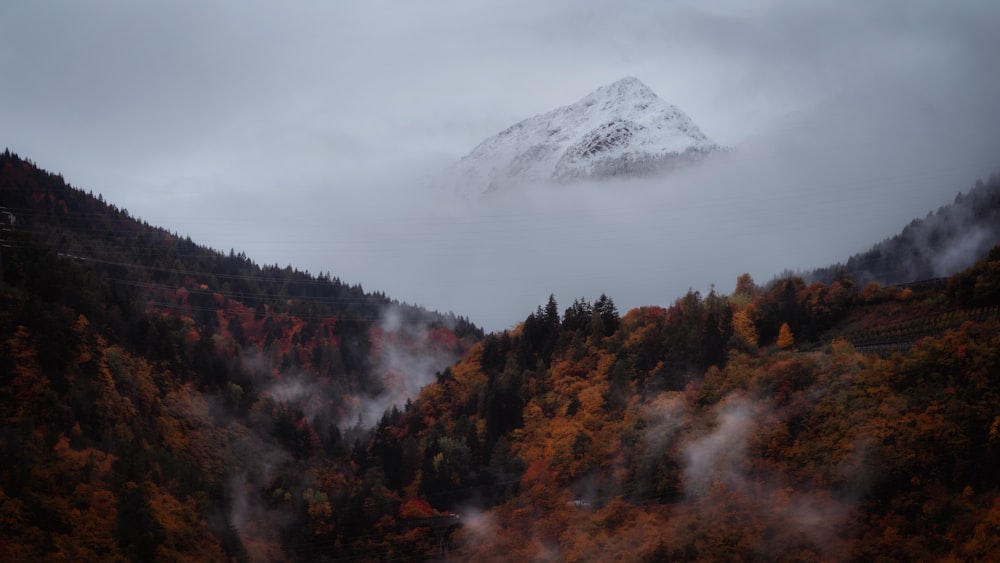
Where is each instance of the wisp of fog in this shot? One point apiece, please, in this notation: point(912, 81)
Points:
point(807, 195)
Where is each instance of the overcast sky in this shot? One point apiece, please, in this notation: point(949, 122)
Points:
point(302, 132)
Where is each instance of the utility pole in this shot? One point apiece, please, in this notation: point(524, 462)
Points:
point(6, 226)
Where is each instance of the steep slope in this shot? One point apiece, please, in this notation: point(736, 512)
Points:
point(941, 244)
point(136, 424)
point(619, 129)
point(697, 432)
point(151, 388)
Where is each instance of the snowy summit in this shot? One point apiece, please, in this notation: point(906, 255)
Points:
point(623, 128)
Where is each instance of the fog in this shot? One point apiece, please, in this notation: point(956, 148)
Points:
point(717, 462)
point(800, 198)
point(310, 135)
point(405, 361)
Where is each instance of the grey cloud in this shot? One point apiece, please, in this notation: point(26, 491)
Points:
point(302, 134)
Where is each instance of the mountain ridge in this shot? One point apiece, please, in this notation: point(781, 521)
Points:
point(941, 244)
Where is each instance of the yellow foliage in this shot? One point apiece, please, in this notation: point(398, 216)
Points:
point(785, 337)
point(744, 327)
point(873, 292)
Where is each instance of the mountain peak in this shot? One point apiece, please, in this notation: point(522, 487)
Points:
point(622, 128)
point(629, 81)
point(627, 85)
point(625, 93)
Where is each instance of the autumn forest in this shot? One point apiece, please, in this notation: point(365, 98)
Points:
point(164, 401)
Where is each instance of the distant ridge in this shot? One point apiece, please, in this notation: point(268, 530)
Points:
point(940, 245)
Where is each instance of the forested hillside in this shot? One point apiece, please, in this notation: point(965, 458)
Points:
point(161, 401)
point(152, 386)
point(946, 241)
point(725, 427)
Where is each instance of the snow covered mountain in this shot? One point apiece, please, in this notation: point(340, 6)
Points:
point(619, 129)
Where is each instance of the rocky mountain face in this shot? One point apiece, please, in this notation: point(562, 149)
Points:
point(623, 128)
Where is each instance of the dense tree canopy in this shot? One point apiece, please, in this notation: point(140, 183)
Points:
point(165, 402)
